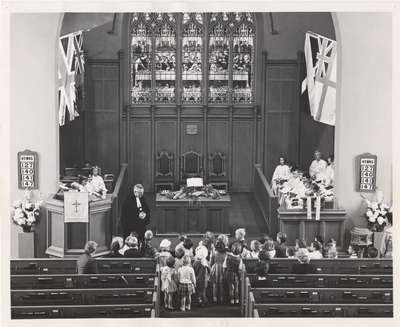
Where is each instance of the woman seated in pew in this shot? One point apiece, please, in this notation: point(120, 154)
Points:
point(86, 264)
point(133, 248)
point(147, 250)
point(304, 266)
point(116, 244)
point(315, 250)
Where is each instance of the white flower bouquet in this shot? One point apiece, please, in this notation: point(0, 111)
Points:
point(377, 214)
point(25, 213)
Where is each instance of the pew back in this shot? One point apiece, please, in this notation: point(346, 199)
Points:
point(321, 280)
point(322, 310)
point(69, 281)
point(68, 266)
point(328, 266)
point(321, 295)
point(83, 311)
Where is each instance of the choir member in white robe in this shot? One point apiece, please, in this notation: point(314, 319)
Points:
point(318, 166)
point(97, 183)
point(328, 176)
point(282, 172)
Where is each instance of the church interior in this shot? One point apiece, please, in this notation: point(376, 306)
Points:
point(198, 125)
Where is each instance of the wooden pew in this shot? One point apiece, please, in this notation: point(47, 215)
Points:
point(68, 266)
point(123, 265)
point(82, 296)
point(42, 266)
point(321, 295)
point(329, 266)
point(83, 311)
point(321, 280)
point(322, 310)
point(82, 281)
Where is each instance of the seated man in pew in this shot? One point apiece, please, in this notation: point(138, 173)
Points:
point(304, 266)
point(86, 264)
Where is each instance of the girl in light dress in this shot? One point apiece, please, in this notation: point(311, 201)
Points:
point(169, 280)
point(164, 253)
point(187, 283)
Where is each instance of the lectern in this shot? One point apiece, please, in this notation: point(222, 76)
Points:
point(68, 239)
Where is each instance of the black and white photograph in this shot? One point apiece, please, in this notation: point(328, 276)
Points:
point(199, 160)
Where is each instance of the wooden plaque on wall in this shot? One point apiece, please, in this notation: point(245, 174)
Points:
point(28, 170)
point(366, 172)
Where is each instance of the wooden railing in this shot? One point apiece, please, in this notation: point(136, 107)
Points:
point(119, 195)
point(266, 200)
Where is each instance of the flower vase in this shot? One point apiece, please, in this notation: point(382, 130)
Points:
point(26, 228)
point(378, 239)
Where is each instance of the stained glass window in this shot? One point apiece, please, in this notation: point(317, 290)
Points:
point(243, 57)
point(165, 58)
point(218, 59)
point(228, 42)
point(192, 59)
point(140, 61)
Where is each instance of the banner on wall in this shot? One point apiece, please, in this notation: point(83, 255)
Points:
point(320, 82)
point(70, 64)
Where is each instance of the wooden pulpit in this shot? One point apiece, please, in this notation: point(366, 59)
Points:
point(65, 239)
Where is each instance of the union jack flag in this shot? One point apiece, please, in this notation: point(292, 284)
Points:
point(70, 64)
point(320, 55)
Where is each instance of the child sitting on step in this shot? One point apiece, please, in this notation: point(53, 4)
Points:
point(187, 283)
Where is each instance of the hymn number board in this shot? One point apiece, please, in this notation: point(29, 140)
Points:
point(27, 170)
point(366, 164)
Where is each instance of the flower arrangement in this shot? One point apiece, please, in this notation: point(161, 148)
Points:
point(25, 213)
point(378, 213)
point(194, 194)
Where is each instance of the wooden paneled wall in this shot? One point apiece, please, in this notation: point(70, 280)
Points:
point(113, 132)
point(101, 114)
point(226, 130)
point(281, 113)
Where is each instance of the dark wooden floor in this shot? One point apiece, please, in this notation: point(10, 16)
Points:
point(210, 311)
point(244, 212)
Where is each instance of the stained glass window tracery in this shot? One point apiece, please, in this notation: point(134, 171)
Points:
point(156, 56)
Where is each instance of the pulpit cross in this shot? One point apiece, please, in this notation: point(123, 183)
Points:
point(76, 204)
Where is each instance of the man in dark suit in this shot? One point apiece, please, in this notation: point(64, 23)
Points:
point(86, 264)
point(135, 214)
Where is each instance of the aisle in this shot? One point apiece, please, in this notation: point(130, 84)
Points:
point(210, 311)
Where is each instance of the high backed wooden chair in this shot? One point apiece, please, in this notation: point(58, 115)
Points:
point(217, 175)
point(164, 174)
point(191, 165)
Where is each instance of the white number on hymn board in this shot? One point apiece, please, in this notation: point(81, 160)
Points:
point(366, 186)
point(27, 184)
point(367, 168)
point(366, 174)
point(26, 164)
